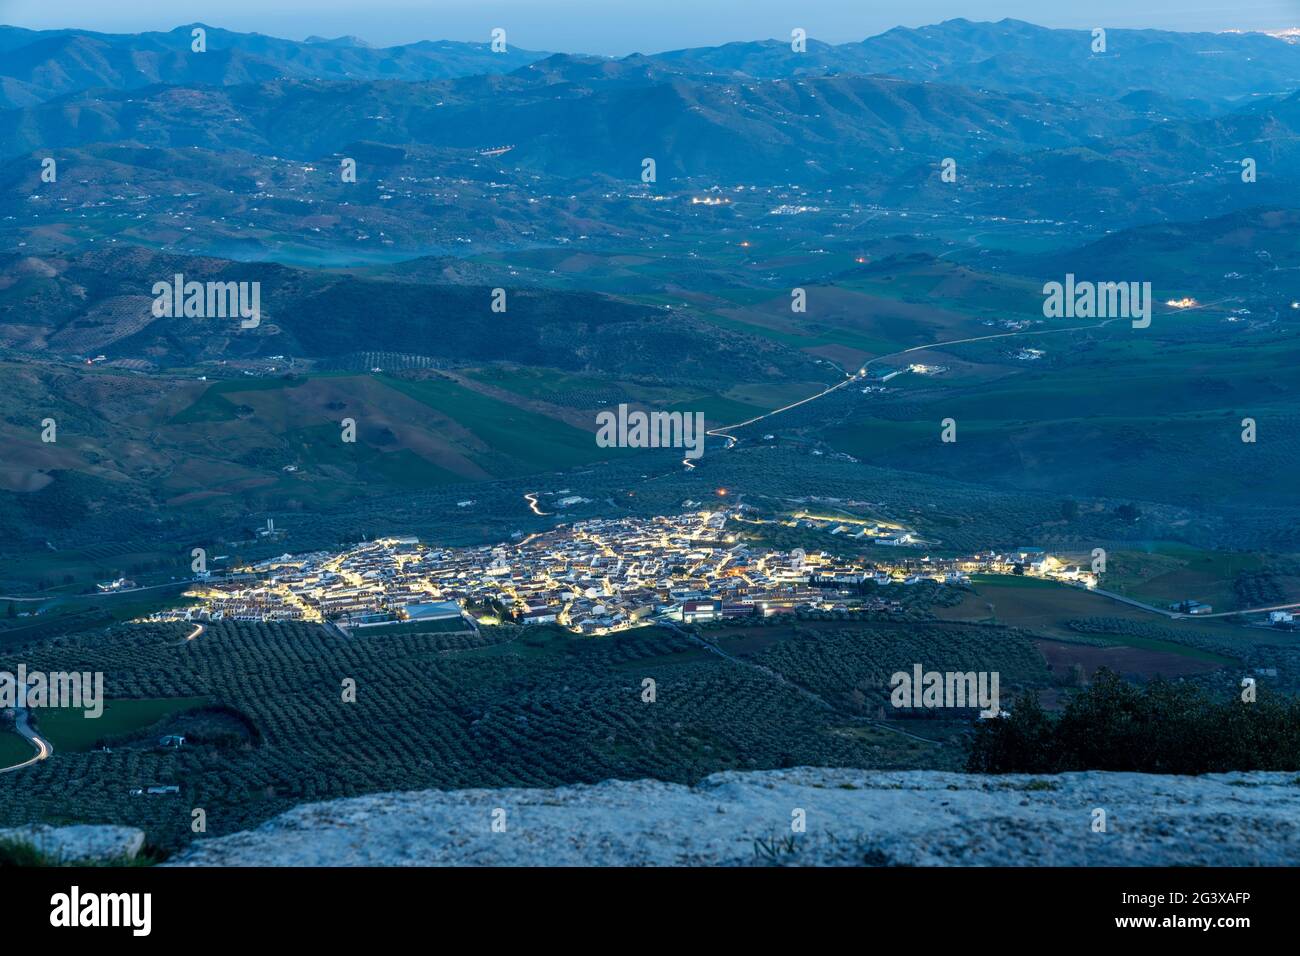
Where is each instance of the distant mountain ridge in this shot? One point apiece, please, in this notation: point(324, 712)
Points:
point(1015, 55)
point(576, 116)
point(1008, 55)
point(1156, 125)
point(41, 65)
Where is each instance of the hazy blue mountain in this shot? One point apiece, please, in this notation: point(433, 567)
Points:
point(1009, 55)
point(577, 116)
point(1177, 170)
point(1258, 246)
point(41, 65)
point(1014, 55)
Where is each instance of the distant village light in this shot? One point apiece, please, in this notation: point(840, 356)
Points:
point(599, 576)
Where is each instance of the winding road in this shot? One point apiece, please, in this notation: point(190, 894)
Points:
point(725, 431)
point(43, 747)
point(194, 634)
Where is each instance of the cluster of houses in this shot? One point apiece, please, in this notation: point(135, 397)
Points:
point(595, 576)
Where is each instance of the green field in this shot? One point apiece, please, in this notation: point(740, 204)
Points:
point(1166, 572)
point(1103, 414)
point(69, 730)
point(1014, 581)
point(214, 405)
point(1045, 608)
point(546, 384)
point(319, 447)
point(14, 749)
point(594, 393)
point(533, 441)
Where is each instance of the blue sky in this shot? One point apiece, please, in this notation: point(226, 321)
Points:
point(624, 26)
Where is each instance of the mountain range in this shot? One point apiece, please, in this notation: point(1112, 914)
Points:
point(39, 65)
point(1009, 55)
point(1155, 126)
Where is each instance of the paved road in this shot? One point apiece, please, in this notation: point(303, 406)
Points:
point(334, 629)
point(1249, 610)
point(725, 431)
point(1183, 616)
point(43, 747)
point(1172, 615)
point(198, 632)
point(58, 595)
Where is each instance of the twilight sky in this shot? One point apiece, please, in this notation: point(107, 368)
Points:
point(623, 26)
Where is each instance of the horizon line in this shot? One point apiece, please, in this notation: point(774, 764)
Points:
point(1278, 33)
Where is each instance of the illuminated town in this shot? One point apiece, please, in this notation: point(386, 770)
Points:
point(600, 576)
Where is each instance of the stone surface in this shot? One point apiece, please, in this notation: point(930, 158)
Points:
point(82, 843)
point(854, 817)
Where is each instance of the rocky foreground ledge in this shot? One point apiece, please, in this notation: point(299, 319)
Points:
point(77, 845)
point(853, 817)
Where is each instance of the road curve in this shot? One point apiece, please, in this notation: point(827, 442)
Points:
point(43, 747)
point(724, 431)
point(199, 630)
